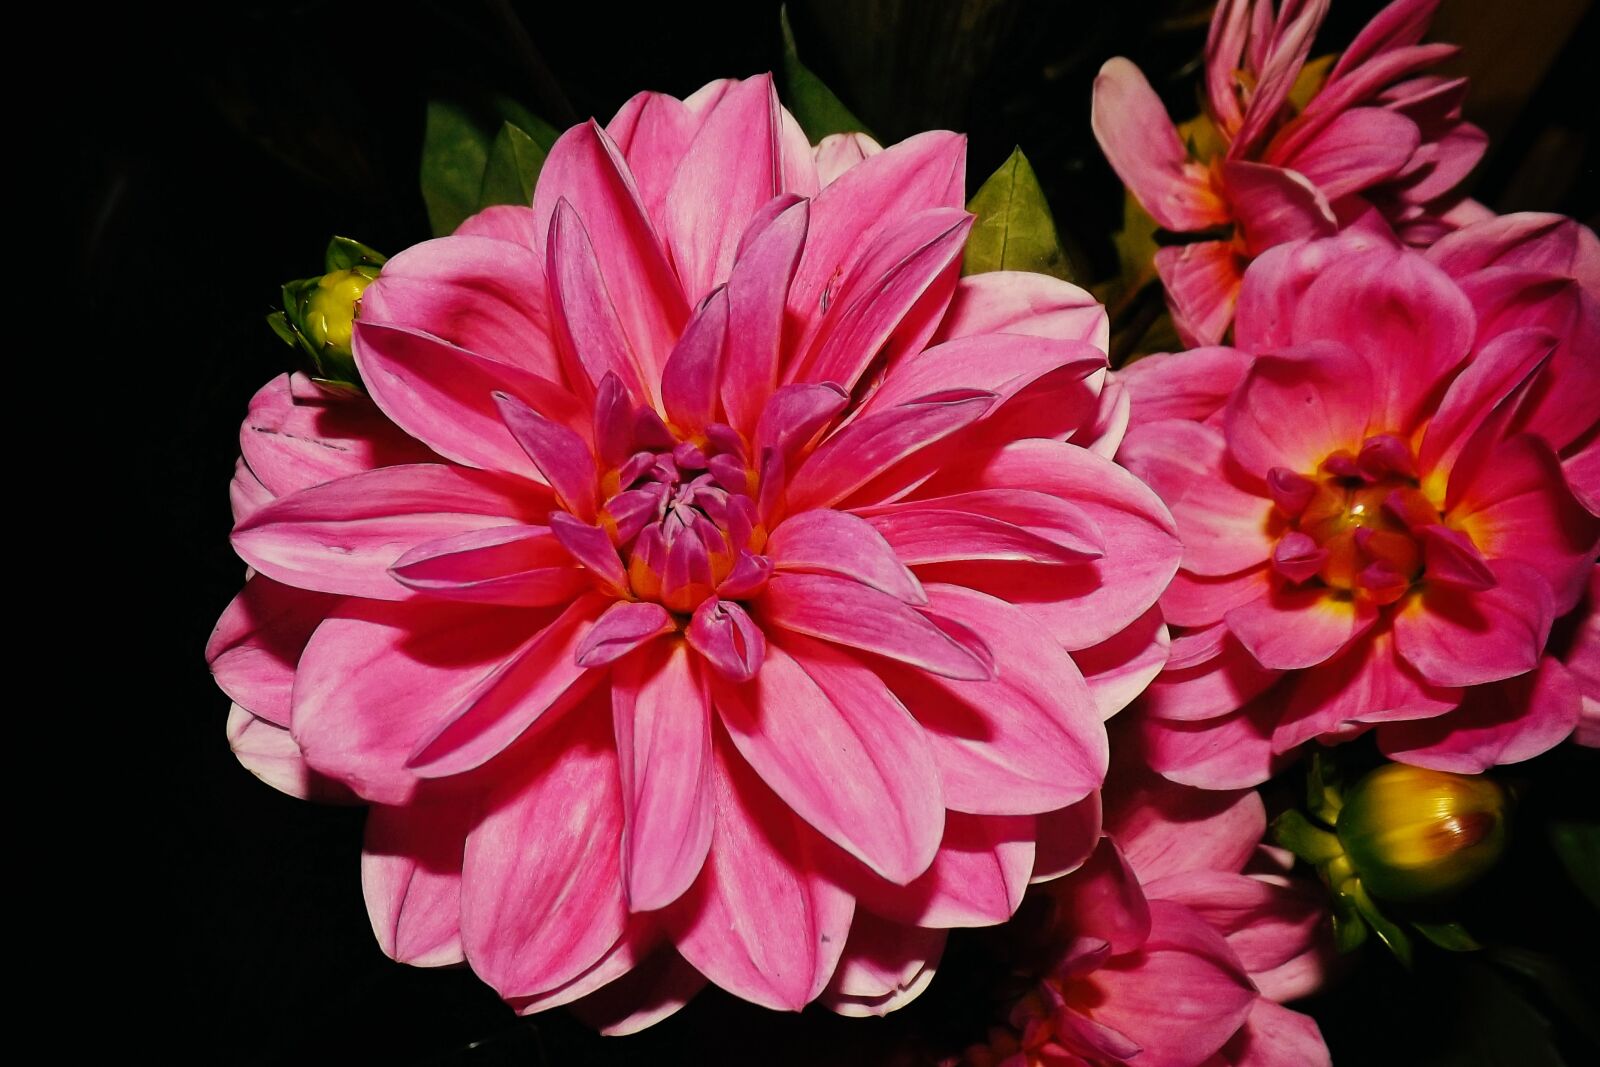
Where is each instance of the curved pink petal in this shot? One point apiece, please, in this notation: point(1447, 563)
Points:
point(1360, 148)
point(652, 131)
point(513, 223)
point(1507, 722)
point(757, 287)
point(621, 628)
point(729, 639)
point(1233, 751)
point(541, 888)
point(1168, 830)
point(411, 878)
point(1298, 406)
point(827, 736)
point(760, 921)
point(1550, 244)
point(267, 751)
point(343, 536)
point(1021, 302)
point(520, 566)
point(842, 544)
point(1209, 674)
point(1293, 628)
point(655, 990)
point(1274, 1036)
point(1202, 281)
point(1495, 373)
point(256, 643)
point(885, 966)
point(1278, 282)
point(1368, 683)
point(1273, 205)
point(1117, 670)
point(662, 716)
point(999, 363)
point(475, 293)
point(1065, 838)
point(1266, 924)
point(1142, 146)
point(1201, 600)
point(838, 152)
point(977, 878)
point(1104, 900)
point(586, 322)
point(689, 384)
point(1458, 636)
point(1192, 385)
point(1030, 740)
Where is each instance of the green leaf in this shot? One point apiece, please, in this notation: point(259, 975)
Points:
point(812, 103)
point(1577, 845)
point(1452, 937)
point(1388, 931)
point(1015, 230)
point(1324, 788)
point(513, 167)
point(454, 153)
point(345, 252)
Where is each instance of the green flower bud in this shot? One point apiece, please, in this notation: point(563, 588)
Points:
point(1411, 833)
point(319, 314)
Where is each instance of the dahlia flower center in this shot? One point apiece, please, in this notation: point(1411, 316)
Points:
point(1357, 524)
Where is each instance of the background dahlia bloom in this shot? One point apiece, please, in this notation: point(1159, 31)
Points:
point(727, 590)
point(1174, 945)
point(1286, 150)
point(1376, 534)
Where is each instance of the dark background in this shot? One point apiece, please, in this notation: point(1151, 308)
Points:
point(225, 148)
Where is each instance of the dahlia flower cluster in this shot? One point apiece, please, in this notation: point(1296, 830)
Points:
point(708, 583)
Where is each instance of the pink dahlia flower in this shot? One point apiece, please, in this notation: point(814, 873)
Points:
point(1174, 945)
point(720, 587)
point(1376, 532)
point(1287, 150)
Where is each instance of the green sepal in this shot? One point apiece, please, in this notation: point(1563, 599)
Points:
point(346, 253)
point(512, 170)
point(1014, 228)
point(1452, 937)
point(1349, 929)
point(1324, 788)
point(280, 326)
point(1389, 932)
point(811, 102)
point(1316, 846)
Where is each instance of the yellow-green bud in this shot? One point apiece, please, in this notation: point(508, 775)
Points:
point(329, 311)
point(1412, 833)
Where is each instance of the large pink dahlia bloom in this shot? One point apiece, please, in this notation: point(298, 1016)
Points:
point(1174, 945)
point(724, 589)
point(1377, 532)
point(1286, 151)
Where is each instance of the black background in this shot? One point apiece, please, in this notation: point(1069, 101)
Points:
point(222, 151)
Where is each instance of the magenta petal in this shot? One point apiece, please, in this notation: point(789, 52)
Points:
point(760, 921)
point(1289, 629)
point(1358, 149)
point(1495, 372)
point(977, 878)
point(1143, 148)
point(841, 544)
point(411, 878)
point(521, 566)
point(1274, 206)
point(257, 642)
point(885, 966)
point(694, 370)
point(1298, 406)
point(623, 627)
point(816, 718)
point(961, 527)
point(1182, 996)
point(1496, 724)
point(1274, 1036)
point(542, 678)
point(561, 455)
point(662, 717)
point(343, 536)
point(588, 329)
point(1367, 683)
point(1065, 838)
point(1266, 924)
point(723, 632)
point(1202, 281)
point(1166, 829)
point(269, 752)
point(1451, 557)
point(641, 943)
point(541, 886)
point(1458, 636)
point(1104, 900)
point(846, 612)
point(792, 416)
point(757, 288)
point(591, 546)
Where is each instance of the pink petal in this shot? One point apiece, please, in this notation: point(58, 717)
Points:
point(1367, 683)
point(1278, 282)
point(841, 544)
point(1495, 373)
point(1507, 722)
point(694, 370)
point(343, 536)
point(757, 288)
point(1202, 281)
point(624, 626)
point(1278, 59)
point(541, 888)
point(246, 494)
point(1029, 740)
point(723, 632)
point(640, 946)
point(1358, 149)
point(1198, 600)
point(268, 751)
point(1272, 1035)
point(885, 966)
point(846, 612)
point(759, 921)
point(1298, 406)
point(520, 566)
point(1065, 838)
point(838, 152)
point(1165, 829)
point(1230, 752)
point(977, 878)
point(258, 640)
point(655, 990)
point(1020, 302)
point(1289, 629)
point(585, 321)
point(1265, 924)
point(1458, 636)
point(541, 678)
point(1274, 206)
point(830, 739)
point(475, 293)
point(652, 131)
point(512, 223)
point(376, 677)
point(443, 395)
point(591, 547)
point(998, 363)
point(563, 458)
point(1208, 675)
point(1119, 669)
point(585, 168)
point(1192, 385)
point(662, 716)
point(411, 879)
point(1103, 900)
point(1142, 146)
point(1549, 244)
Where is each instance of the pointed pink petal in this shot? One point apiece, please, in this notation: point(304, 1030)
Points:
point(1065, 838)
point(1458, 636)
point(1497, 724)
point(1368, 683)
point(513, 223)
point(1495, 373)
point(1165, 829)
point(268, 751)
point(1117, 670)
point(1277, 61)
point(1528, 240)
point(1266, 924)
point(1360, 148)
point(246, 494)
point(841, 544)
point(256, 643)
point(662, 716)
point(521, 566)
point(759, 921)
point(793, 414)
point(411, 879)
point(641, 944)
point(1274, 1036)
point(1103, 900)
point(443, 395)
point(885, 966)
point(723, 632)
point(838, 152)
point(1202, 282)
point(757, 287)
point(1274, 206)
point(1142, 146)
point(1230, 752)
point(585, 168)
point(1191, 385)
point(710, 201)
point(1030, 739)
point(1289, 628)
point(560, 454)
point(541, 892)
point(846, 612)
point(977, 878)
point(694, 370)
point(815, 719)
point(1298, 406)
point(592, 548)
point(652, 131)
point(588, 329)
point(541, 678)
point(998, 363)
point(655, 990)
point(623, 627)
point(475, 293)
point(987, 524)
point(1020, 302)
point(343, 536)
